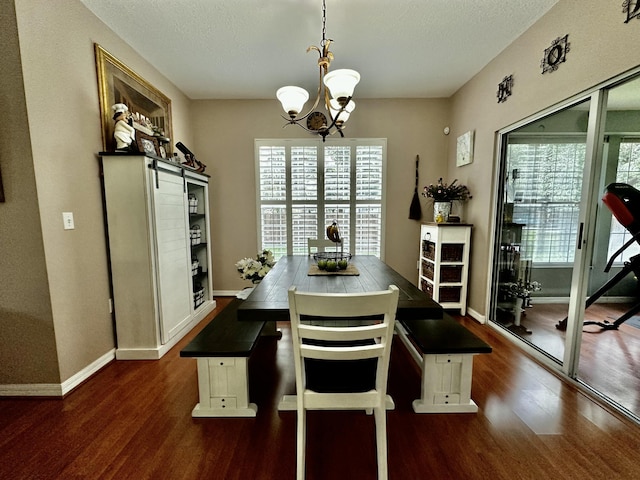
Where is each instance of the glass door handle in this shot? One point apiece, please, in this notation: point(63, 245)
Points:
point(580, 231)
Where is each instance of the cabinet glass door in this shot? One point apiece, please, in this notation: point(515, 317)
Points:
point(198, 197)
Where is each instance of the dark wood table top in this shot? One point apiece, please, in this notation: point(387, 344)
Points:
point(269, 300)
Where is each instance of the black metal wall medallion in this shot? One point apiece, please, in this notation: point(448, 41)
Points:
point(555, 54)
point(504, 88)
point(632, 9)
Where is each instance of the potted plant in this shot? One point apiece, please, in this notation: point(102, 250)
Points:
point(521, 292)
point(443, 195)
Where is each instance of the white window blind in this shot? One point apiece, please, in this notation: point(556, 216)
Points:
point(306, 184)
point(546, 183)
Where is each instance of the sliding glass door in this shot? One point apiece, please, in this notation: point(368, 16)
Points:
point(563, 281)
point(609, 337)
point(541, 181)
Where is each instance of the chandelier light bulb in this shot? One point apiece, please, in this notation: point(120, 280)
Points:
point(341, 117)
point(292, 99)
point(341, 83)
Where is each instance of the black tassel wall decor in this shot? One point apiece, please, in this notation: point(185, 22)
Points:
point(415, 212)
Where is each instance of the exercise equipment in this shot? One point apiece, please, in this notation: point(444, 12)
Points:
point(623, 201)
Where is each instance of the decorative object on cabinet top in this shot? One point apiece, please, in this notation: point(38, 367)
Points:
point(158, 162)
point(147, 144)
point(443, 195)
point(190, 159)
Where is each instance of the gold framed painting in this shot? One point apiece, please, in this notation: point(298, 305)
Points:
point(117, 83)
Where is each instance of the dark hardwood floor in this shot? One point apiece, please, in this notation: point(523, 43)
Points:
point(133, 420)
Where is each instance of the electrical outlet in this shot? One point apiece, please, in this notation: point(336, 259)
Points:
point(67, 220)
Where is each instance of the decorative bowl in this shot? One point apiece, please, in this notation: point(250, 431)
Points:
point(332, 261)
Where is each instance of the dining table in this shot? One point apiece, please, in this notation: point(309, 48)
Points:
point(269, 300)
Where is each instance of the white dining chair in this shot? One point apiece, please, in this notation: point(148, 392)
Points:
point(329, 361)
point(318, 245)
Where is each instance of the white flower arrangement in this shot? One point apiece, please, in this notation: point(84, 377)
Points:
point(255, 269)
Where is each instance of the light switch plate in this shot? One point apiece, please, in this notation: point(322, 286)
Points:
point(67, 219)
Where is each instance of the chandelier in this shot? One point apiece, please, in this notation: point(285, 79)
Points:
point(336, 89)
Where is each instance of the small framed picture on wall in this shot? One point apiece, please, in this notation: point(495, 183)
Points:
point(464, 152)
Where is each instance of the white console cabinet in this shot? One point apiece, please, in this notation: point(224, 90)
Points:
point(444, 263)
point(150, 223)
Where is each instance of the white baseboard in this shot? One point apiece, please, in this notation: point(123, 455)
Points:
point(476, 316)
point(88, 371)
point(155, 353)
point(559, 300)
point(57, 389)
point(32, 390)
point(224, 293)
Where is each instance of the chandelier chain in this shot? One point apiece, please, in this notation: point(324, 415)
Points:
point(324, 23)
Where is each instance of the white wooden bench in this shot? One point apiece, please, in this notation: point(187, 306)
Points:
point(444, 349)
point(222, 350)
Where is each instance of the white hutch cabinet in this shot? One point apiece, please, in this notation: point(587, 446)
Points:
point(444, 263)
point(161, 274)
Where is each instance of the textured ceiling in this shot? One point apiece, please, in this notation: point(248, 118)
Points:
point(249, 48)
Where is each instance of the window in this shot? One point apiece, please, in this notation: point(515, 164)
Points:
point(304, 185)
point(627, 171)
point(544, 185)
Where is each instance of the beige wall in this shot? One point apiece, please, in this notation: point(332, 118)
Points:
point(26, 321)
point(601, 48)
point(60, 296)
point(54, 283)
point(224, 133)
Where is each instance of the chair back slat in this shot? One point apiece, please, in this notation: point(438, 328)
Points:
point(364, 332)
point(342, 353)
point(336, 305)
point(315, 245)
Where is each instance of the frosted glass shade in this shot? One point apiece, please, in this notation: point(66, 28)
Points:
point(341, 83)
point(334, 106)
point(292, 99)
